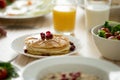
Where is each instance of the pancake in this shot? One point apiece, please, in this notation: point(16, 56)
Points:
point(58, 45)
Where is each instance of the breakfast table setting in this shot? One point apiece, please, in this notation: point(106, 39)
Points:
point(18, 27)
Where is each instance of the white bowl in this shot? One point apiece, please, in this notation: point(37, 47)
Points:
point(39, 68)
point(109, 48)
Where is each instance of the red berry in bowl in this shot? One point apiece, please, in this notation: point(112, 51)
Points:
point(63, 75)
point(70, 74)
point(77, 74)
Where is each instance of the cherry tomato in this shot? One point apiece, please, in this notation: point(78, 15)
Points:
point(3, 3)
point(3, 73)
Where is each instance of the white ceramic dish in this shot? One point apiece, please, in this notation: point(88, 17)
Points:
point(109, 48)
point(22, 9)
point(18, 45)
point(100, 68)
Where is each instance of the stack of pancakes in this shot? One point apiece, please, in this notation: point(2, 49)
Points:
point(58, 45)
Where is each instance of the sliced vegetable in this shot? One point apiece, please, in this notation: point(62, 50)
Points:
point(110, 30)
point(7, 71)
point(101, 33)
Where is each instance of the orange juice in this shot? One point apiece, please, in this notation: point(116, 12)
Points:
point(64, 18)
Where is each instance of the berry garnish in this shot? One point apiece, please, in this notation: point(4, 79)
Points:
point(71, 43)
point(63, 75)
point(77, 74)
point(70, 74)
point(49, 36)
point(25, 51)
point(42, 36)
point(46, 36)
point(72, 48)
point(48, 32)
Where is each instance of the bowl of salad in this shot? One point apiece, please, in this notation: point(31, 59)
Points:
point(107, 39)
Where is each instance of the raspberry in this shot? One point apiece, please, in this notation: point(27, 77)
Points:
point(72, 48)
point(71, 43)
point(63, 75)
point(49, 35)
point(42, 36)
point(46, 36)
point(77, 74)
point(25, 51)
point(48, 32)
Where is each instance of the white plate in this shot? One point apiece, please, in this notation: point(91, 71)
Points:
point(21, 10)
point(100, 68)
point(18, 45)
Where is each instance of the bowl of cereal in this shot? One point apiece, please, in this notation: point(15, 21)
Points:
point(69, 68)
point(107, 39)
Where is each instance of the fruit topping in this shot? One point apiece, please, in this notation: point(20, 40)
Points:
point(42, 36)
point(72, 48)
point(46, 36)
point(25, 50)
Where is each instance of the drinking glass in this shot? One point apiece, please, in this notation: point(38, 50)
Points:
point(96, 12)
point(64, 13)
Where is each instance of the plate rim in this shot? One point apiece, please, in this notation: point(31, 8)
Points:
point(37, 56)
point(47, 11)
point(84, 59)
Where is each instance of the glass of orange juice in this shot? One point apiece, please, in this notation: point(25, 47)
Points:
point(64, 13)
